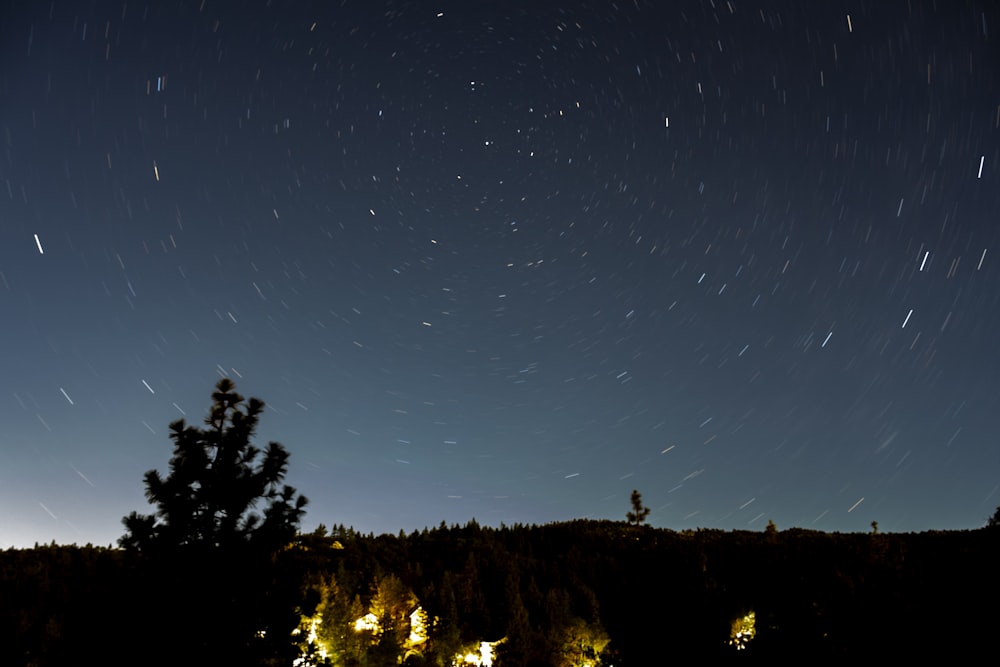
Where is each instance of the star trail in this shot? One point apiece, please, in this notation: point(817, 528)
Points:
point(506, 260)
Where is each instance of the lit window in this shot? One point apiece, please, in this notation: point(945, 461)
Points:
point(367, 623)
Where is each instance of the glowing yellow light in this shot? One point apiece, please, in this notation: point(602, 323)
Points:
point(482, 659)
point(486, 651)
point(418, 627)
point(742, 631)
point(367, 623)
point(313, 640)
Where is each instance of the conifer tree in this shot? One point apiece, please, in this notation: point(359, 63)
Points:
point(217, 481)
point(214, 548)
point(639, 513)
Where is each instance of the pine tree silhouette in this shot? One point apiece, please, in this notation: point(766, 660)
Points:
point(639, 513)
point(217, 480)
point(212, 556)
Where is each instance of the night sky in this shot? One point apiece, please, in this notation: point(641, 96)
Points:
point(506, 260)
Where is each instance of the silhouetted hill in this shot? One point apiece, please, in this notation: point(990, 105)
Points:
point(561, 594)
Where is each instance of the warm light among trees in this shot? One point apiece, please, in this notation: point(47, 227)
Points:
point(394, 624)
point(481, 658)
point(743, 631)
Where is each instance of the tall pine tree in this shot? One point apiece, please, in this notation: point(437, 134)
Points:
point(219, 585)
point(639, 512)
point(217, 480)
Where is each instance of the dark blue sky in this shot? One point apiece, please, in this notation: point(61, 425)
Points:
point(506, 260)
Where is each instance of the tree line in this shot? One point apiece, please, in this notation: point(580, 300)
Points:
point(220, 573)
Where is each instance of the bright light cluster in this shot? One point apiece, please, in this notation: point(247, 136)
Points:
point(482, 659)
point(367, 623)
point(743, 630)
point(418, 626)
point(312, 640)
point(391, 602)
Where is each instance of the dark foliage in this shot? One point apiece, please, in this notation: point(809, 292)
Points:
point(212, 555)
point(217, 479)
point(548, 589)
point(219, 576)
point(639, 512)
point(654, 592)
